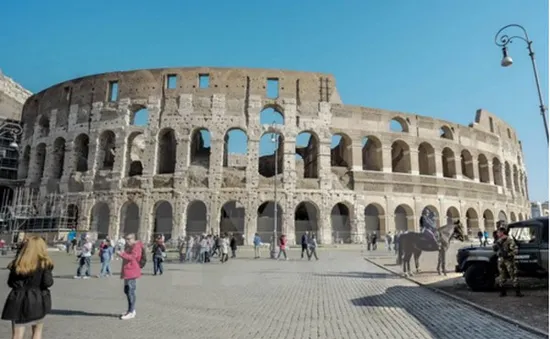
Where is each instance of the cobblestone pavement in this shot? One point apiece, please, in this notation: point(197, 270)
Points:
point(340, 296)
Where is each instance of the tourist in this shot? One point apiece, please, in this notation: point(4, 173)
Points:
point(257, 243)
point(224, 248)
point(282, 247)
point(389, 239)
point(203, 249)
point(159, 253)
point(106, 252)
point(312, 246)
point(120, 245)
point(84, 258)
point(131, 271)
point(233, 246)
point(30, 278)
point(305, 242)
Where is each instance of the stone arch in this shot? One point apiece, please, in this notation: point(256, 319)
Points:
point(513, 217)
point(340, 217)
point(25, 162)
point(197, 218)
point(432, 209)
point(483, 169)
point(467, 164)
point(232, 220)
point(520, 216)
point(508, 175)
point(43, 126)
point(81, 152)
point(375, 219)
point(40, 160)
point(100, 218)
point(453, 215)
point(164, 219)
point(445, 132)
point(426, 159)
point(401, 157)
point(266, 220)
point(167, 151)
point(107, 144)
point(399, 125)
point(235, 149)
point(272, 114)
point(58, 158)
point(306, 216)
point(135, 153)
point(130, 220)
point(72, 216)
point(307, 151)
point(341, 152)
point(472, 222)
point(372, 154)
point(497, 172)
point(272, 153)
point(200, 148)
point(403, 218)
point(522, 183)
point(502, 216)
point(516, 178)
point(139, 116)
point(448, 163)
point(488, 220)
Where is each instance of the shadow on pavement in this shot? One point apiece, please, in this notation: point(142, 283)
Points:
point(364, 275)
point(83, 314)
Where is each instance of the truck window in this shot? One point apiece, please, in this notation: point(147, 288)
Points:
point(545, 232)
point(524, 234)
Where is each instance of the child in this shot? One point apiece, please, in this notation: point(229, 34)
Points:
point(30, 279)
point(106, 255)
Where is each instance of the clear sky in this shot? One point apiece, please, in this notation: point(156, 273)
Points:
point(428, 57)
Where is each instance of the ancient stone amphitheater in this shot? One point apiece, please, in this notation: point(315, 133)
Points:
point(178, 151)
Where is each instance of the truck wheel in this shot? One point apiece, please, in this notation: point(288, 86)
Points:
point(479, 277)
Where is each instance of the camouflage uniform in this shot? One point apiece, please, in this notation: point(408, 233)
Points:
point(506, 251)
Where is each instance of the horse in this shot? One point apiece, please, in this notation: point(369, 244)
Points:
point(413, 243)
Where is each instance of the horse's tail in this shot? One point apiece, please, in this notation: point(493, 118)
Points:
point(399, 249)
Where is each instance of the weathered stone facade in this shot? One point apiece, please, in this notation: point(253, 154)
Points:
point(12, 98)
point(85, 144)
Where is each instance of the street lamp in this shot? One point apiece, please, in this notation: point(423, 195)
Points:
point(275, 141)
point(502, 40)
point(12, 128)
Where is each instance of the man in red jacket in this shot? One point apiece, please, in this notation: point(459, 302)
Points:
point(131, 271)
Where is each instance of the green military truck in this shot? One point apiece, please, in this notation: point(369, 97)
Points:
point(479, 264)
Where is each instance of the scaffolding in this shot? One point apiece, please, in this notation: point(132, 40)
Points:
point(27, 211)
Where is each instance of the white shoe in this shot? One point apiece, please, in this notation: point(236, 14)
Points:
point(86, 277)
point(128, 316)
point(77, 277)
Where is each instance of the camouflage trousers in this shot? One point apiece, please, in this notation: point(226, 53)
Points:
point(507, 269)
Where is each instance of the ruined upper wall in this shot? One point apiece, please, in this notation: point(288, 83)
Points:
point(142, 84)
point(12, 98)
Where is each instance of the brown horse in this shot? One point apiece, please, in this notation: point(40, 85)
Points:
point(413, 243)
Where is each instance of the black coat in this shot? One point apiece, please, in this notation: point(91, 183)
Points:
point(30, 298)
point(233, 244)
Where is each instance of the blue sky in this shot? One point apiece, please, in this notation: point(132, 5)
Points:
point(428, 57)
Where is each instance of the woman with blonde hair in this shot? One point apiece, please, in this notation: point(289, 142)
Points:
point(30, 279)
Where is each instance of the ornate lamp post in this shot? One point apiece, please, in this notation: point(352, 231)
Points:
point(275, 141)
point(11, 128)
point(502, 40)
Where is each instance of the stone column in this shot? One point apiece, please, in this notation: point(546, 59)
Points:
point(387, 159)
point(252, 175)
point(490, 171)
point(458, 167)
point(325, 171)
point(438, 164)
point(413, 154)
point(475, 169)
point(357, 157)
point(215, 172)
point(146, 223)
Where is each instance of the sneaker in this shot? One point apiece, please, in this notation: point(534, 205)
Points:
point(77, 277)
point(128, 316)
point(86, 277)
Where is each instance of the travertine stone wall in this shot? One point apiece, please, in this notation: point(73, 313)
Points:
point(12, 98)
point(467, 173)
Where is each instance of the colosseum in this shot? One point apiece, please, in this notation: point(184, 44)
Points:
point(189, 150)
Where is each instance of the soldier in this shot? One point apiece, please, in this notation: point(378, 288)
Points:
point(506, 250)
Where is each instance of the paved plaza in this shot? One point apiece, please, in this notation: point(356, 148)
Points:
point(340, 296)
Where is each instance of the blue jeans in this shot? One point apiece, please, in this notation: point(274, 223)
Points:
point(84, 262)
point(105, 268)
point(130, 291)
point(157, 265)
point(189, 254)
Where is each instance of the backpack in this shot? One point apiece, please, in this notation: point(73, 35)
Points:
point(143, 259)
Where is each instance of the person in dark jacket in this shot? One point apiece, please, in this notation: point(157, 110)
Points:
point(30, 279)
point(233, 246)
point(159, 253)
